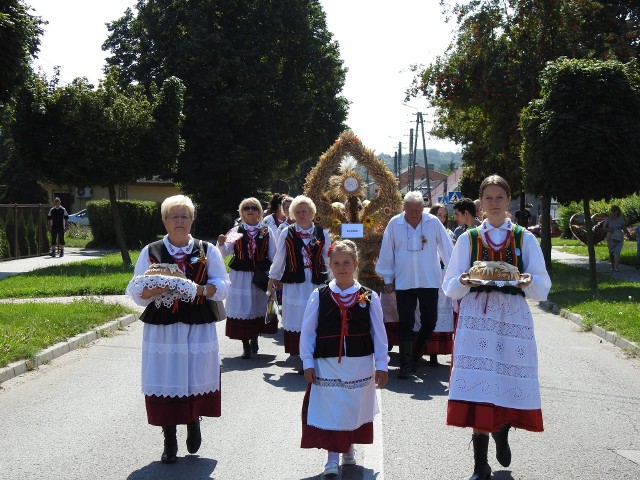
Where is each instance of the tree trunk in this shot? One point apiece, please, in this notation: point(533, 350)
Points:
point(593, 279)
point(545, 231)
point(117, 226)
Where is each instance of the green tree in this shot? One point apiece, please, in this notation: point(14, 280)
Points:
point(105, 136)
point(490, 73)
point(262, 82)
point(19, 42)
point(582, 137)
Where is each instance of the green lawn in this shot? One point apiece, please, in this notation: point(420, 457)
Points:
point(628, 255)
point(614, 307)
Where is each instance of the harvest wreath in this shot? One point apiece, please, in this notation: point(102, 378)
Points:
point(338, 191)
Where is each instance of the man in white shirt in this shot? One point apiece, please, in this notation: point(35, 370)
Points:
point(413, 245)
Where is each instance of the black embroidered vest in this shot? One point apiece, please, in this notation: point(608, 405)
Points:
point(241, 260)
point(197, 312)
point(294, 265)
point(358, 342)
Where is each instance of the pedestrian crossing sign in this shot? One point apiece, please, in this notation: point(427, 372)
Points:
point(454, 196)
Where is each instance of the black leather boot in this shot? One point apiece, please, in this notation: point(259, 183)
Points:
point(405, 360)
point(194, 437)
point(246, 349)
point(503, 451)
point(254, 345)
point(170, 445)
point(481, 468)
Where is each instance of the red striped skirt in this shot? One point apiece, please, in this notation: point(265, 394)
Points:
point(167, 411)
point(331, 440)
point(246, 329)
point(292, 342)
point(440, 343)
point(489, 417)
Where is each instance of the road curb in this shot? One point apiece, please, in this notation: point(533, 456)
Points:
point(18, 368)
point(610, 337)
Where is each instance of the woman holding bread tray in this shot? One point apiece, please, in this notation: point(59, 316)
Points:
point(173, 278)
point(494, 378)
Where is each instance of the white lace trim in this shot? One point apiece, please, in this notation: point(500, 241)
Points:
point(500, 328)
point(160, 391)
point(179, 288)
point(178, 349)
point(468, 362)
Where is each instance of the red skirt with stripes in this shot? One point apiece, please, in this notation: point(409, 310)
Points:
point(168, 411)
point(246, 329)
point(331, 440)
point(489, 417)
point(292, 342)
point(440, 343)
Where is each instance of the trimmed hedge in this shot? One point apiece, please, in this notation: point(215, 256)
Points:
point(141, 222)
point(630, 207)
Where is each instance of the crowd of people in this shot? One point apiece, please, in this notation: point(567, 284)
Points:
point(336, 326)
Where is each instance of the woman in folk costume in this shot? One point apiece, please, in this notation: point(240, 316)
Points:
point(276, 216)
point(299, 266)
point(288, 220)
point(180, 353)
point(343, 346)
point(253, 247)
point(494, 380)
point(441, 341)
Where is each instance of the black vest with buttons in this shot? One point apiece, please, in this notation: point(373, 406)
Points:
point(294, 264)
point(197, 312)
point(358, 342)
point(242, 262)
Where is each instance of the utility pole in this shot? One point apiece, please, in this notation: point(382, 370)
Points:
point(410, 182)
point(420, 120)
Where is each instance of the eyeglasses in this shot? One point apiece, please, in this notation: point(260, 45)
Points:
point(175, 218)
point(247, 208)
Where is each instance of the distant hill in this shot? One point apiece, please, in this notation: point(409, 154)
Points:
point(443, 161)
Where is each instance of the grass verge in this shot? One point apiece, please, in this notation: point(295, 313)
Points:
point(628, 256)
point(614, 307)
point(27, 328)
point(99, 276)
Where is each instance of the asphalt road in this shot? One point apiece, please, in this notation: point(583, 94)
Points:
point(82, 417)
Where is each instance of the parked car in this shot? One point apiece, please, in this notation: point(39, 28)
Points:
point(556, 231)
point(79, 218)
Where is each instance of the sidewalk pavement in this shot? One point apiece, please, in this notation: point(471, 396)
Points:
point(627, 272)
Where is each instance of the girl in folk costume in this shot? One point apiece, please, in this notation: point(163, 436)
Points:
point(180, 353)
point(343, 346)
point(494, 380)
point(299, 265)
point(253, 247)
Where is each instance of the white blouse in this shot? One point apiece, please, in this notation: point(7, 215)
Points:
point(310, 324)
point(280, 257)
point(532, 263)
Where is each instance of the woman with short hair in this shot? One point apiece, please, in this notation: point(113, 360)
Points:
point(299, 266)
point(180, 352)
point(252, 245)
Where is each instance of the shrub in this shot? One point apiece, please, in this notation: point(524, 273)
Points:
point(141, 222)
point(4, 243)
point(630, 207)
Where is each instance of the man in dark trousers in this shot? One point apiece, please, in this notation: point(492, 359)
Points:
point(57, 218)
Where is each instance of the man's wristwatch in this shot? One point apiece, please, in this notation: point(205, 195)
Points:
point(204, 290)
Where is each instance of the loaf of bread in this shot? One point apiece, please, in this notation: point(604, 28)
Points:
point(166, 269)
point(493, 271)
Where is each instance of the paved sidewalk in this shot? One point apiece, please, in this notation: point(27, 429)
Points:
point(626, 272)
point(71, 255)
